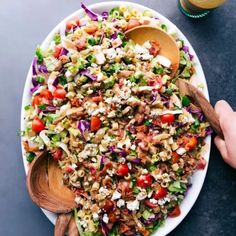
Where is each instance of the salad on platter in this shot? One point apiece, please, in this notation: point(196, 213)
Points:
point(108, 111)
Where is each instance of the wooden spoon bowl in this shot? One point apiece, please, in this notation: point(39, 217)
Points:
point(45, 185)
point(168, 46)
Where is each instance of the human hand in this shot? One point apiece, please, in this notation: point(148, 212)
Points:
point(227, 118)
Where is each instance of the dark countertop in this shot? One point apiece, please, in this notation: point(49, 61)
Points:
point(25, 23)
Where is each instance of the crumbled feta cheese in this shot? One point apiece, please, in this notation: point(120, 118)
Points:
point(105, 218)
point(154, 201)
point(117, 42)
point(104, 191)
point(142, 195)
point(181, 151)
point(133, 147)
point(133, 205)
point(144, 171)
point(120, 203)
point(129, 165)
point(95, 216)
point(78, 199)
point(116, 195)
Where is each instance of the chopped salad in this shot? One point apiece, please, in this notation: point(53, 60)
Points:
point(107, 110)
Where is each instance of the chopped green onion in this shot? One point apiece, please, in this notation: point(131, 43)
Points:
point(39, 55)
point(62, 80)
point(185, 101)
point(30, 156)
point(164, 27)
point(147, 122)
point(158, 70)
point(42, 106)
point(40, 79)
point(91, 41)
point(57, 39)
point(27, 107)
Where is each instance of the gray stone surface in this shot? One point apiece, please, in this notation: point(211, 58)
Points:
point(25, 23)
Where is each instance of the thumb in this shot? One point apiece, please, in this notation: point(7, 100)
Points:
point(220, 144)
point(223, 108)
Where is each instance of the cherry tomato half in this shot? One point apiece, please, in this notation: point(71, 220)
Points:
point(150, 204)
point(144, 181)
point(133, 23)
point(122, 170)
point(167, 118)
point(162, 192)
point(72, 23)
point(95, 123)
point(108, 205)
point(91, 29)
point(59, 93)
point(57, 52)
point(176, 212)
point(57, 154)
point(37, 125)
point(46, 94)
point(97, 99)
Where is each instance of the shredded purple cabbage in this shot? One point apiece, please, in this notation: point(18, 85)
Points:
point(114, 35)
point(43, 69)
point(34, 81)
point(34, 66)
point(87, 73)
point(123, 153)
point(83, 125)
point(209, 131)
point(94, 16)
point(50, 109)
point(55, 82)
point(105, 15)
point(35, 88)
point(111, 149)
point(64, 51)
point(196, 111)
point(103, 160)
point(104, 229)
point(186, 50)
point(137, 161)
point(151, 219)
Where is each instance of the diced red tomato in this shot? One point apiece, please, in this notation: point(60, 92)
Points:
point(167, 118)
point(57, 154)
point(68, 169)
point(155, 48)
point(46, 94)
point(144, 181)
point(71, 24)
point(176, 212)
point(122, 170)
point(36, 100)
point(191, 144)
point(57, 52)
point(97, 99)
point(112, 217)
point(37, 125)
point(95, 123)
point(109, 205)
point(91, 29)
point(150, 204)
point(162, 192)
point(175, 157)
point(201, 164)
point(133, 23)
point(59, 93)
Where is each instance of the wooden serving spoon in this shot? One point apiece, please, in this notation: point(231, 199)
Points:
point(168, 46)
point(188, 89)
point(45, 185)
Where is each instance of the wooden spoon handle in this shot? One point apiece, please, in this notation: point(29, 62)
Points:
point(62, 223)
point(188, 89)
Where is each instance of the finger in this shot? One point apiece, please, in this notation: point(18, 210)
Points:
point(220, 144)
point(222, 107)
